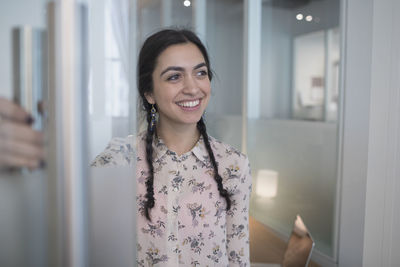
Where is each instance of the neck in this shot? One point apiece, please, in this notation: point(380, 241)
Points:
point(179, 139)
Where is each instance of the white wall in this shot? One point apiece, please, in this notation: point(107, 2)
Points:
point(15, 13)
point(370, 188)
point(382, 214)
point(355, 134)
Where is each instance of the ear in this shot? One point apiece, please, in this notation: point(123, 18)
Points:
point(149, 97)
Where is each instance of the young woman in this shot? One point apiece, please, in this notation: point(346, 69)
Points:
point(193, 191)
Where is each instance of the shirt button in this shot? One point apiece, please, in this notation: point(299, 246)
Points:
point(175, 189)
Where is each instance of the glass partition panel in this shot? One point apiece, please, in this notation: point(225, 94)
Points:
point(112, 132)
point(153, 15)
point(181, 14)
point(293, 144)
point(149, 18)
point(23, 191)
point(219, 29)
point(224, 40)
point(66, 93)
point(156, 14)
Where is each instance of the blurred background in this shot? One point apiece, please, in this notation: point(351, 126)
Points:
point(294, 89)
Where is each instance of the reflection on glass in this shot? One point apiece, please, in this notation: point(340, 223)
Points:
point(295, 135)
point(109, 95)
point(112, 99)
point(266, 182)
point(116, 58)
point(309, 75)
point(224, 40)
point(315, 71)
point(23, 195)
point(299, 247)
point(156, 14)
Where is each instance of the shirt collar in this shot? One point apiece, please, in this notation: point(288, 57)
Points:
point(199, 149)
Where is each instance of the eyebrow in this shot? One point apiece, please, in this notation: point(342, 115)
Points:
point(175, 68)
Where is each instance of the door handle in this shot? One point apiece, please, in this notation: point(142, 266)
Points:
point(29, 69)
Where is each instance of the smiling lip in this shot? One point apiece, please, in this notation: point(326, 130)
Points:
point(189, 105)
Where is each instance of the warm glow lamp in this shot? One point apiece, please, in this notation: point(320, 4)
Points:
point(267, 183)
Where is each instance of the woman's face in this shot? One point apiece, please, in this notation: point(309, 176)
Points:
point(181, 87)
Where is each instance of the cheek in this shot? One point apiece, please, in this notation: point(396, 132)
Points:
point(207, 92)
point(206, 86)
point(164, 95)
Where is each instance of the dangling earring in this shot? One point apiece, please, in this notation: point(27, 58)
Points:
point(153, 117)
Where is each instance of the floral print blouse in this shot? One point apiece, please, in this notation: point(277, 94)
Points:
point(189, 223)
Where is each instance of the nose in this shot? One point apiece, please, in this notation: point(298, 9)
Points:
point(191, 86)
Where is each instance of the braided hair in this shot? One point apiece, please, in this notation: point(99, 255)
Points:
point(150, 51)
point(201, 126)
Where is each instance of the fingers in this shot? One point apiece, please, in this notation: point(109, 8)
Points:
point(20, 145)
point(23, 150)
point(11, 111)
point(10, 161)
point(20, 132)
point(20, 154)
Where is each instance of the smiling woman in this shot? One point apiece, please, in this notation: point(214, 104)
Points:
point(192, 190)
point(181, 87)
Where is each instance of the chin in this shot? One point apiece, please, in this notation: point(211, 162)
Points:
point(194, 121)
point(190, 121)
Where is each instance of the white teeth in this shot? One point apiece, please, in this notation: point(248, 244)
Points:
point(189, 104)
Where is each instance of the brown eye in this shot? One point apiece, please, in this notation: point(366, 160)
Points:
point(202, 73)
point(173, 77)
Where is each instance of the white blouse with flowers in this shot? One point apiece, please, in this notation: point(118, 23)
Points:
point(189, 222)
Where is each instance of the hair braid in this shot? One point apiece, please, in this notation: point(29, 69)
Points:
point(223, 192)
point(149, 158)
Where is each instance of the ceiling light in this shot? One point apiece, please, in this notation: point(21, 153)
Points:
point(299, 16)
point(186, 3)
point(309, 18)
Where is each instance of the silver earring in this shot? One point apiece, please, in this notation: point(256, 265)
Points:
point(153, 112)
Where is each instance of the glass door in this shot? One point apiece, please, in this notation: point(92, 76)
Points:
point(293, 137)
point(23, 191)
point(66, 95)
point(111, 130)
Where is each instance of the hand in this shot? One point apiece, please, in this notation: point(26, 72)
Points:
point(20, 145)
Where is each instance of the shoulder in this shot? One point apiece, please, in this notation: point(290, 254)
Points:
point(222, 150)
point(119, 152)
point(233, 166)
point(228, 156)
